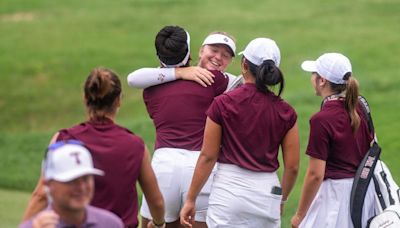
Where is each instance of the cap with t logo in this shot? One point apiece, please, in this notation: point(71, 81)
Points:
point(66, 161)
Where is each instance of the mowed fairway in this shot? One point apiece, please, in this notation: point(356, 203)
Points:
point(47, 48)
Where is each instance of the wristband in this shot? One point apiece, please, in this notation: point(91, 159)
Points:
point(162, 225)
point(283, 202)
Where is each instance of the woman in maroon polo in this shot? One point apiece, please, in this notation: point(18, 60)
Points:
point(118, 152)
point(339, 139)
point(244, 130)
point(178, 112)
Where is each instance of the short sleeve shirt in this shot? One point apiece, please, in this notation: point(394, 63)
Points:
point(95, 218)
point(253, 127)
point(332, 140)
point(119, 153)
point(178, 111)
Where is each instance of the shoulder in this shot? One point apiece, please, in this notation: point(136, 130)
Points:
point(285, 110)
point(227, 97)
point(284, 105)
point(123, 129)
point(104, 217)
point(76, 128)
point(129, 134)
point(66, 133)
point(320, 118)
point(220, 77)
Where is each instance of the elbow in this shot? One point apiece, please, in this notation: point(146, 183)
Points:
point(131, 80)
point(206, 158)
point(293, 170)
point(315, 177)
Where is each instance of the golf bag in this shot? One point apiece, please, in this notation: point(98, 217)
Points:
point(386, 190)
point(389, 218)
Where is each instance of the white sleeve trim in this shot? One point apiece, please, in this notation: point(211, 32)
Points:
point(234, 81)
point(146, 77)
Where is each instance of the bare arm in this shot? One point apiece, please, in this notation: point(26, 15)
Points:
point(149, 185)
point(38, 200)
point(291, 157)
point(312, 182)
point(205, 163)
point(146, 77)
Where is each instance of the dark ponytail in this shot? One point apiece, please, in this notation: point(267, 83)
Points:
point(267, 75)
point(171, 45)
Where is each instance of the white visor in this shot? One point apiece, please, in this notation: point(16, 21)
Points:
point(220, 39)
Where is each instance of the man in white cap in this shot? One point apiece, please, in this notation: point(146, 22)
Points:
point(68, 171)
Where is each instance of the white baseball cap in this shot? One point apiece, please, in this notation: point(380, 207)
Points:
point(218, 38)
point(331, 66)
point(261, 49)
point(68, 160)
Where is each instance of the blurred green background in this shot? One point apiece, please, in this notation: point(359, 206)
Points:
point(47, 48)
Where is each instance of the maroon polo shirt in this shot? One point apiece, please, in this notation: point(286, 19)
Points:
point(253, 127)
point(119, 153)
point(178, 111)
point(331, 139)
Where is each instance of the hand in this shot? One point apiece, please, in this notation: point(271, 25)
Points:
point(195, 73)
point(187, 214)
point(296, 220)
point(282, 207)
point(45, 219)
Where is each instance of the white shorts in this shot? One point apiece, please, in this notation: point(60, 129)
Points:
point(174, 170)
point(331, 206)
point(243, 198)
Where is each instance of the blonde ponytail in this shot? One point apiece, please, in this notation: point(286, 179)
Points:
point(351, 103)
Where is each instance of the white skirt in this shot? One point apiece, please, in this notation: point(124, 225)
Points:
point(242, 198)
point(331, 206)
point(174, 170)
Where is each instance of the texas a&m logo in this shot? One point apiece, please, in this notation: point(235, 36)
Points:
point(76, 156)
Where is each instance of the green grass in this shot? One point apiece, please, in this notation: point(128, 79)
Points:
point(12, 204)
point(48, 47)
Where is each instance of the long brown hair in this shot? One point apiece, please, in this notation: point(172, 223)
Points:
point(102, 90)
point(351, 99)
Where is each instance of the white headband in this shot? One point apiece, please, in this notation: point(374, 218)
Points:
point(220, 39)
point(185, 60)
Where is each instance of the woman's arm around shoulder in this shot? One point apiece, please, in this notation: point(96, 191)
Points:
point(146, 77)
